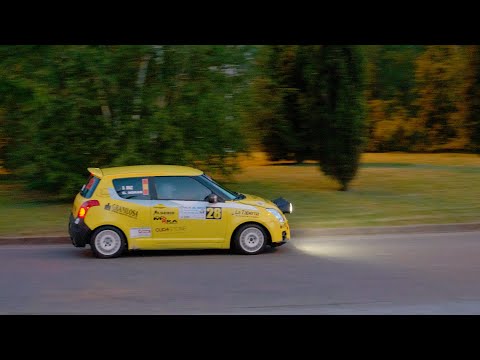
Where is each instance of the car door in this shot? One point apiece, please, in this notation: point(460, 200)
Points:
point(182, 215)
point(129, 209)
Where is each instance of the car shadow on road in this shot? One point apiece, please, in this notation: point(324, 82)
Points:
point(172, 253)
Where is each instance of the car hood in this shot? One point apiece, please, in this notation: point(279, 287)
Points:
point(257, 201)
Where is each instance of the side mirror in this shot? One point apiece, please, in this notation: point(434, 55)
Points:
point(285, 206)
point(212, 198)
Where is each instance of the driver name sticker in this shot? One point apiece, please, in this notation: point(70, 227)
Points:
point(140, 232)
point(191, 212)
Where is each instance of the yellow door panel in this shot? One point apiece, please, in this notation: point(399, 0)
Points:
point(188, 222)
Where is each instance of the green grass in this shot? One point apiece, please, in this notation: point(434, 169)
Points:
point(30, 213)
point(389, 189)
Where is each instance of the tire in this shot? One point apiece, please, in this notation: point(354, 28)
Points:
point(250, 239)
point(108, 242)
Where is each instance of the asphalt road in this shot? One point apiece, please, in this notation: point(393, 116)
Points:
point(428, 273)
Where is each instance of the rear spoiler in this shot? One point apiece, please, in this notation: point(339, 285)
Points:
point(96, 172)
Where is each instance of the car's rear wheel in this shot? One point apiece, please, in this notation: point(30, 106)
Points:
point(107, 242)
point(250, 239)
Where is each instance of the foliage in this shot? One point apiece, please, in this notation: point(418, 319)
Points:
point(340, 124)
point(66, 108)
point(473, 100)
point(276, 93)
point(440, 77)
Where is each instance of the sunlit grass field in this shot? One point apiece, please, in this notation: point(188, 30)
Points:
point(389, 189)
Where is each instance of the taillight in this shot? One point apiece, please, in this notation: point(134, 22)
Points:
point(82, 212)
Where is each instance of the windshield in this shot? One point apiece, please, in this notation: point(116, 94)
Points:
point(219, 189)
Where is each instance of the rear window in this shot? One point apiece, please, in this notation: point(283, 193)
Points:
point(88, 189)
point(132, 188)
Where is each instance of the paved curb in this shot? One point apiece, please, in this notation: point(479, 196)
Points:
point(428, 228)
point(34, 240)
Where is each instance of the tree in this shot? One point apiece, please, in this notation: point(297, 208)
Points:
point(340, 111)
point(66, 108)
point(279, 94)
point(194, 105)
point(441, 79)
point(55, 124)
point(473, 96)
point(391, 95)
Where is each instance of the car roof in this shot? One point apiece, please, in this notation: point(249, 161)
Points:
point(146, 170)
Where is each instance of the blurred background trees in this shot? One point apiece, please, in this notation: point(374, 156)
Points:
point(473, 99)
point(65, 108)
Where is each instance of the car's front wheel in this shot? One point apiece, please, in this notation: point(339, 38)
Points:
point(107, 242)
point(250, 239)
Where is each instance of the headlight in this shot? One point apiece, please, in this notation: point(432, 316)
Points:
point(277, 215)
point(291, 208)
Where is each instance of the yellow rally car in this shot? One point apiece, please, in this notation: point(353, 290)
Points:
point(156, 207)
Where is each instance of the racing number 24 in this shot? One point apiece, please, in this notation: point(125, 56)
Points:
point(214, 213)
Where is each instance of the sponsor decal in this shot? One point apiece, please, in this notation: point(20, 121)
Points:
point(192, 212)
point(170, 229)
point(164, 220)
point(140, 232)
point(213, 213)
point(90, 183)
point(163, 212)
point(122, 210)
point(241, 212)
point(145, 186)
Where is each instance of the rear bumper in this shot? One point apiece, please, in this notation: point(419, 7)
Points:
point(79, 232)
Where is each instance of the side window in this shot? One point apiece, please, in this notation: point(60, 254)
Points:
point(135, 188)
point(180, 188)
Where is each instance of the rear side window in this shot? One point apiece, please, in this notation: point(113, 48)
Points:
point(88, 189)
point(135, 188)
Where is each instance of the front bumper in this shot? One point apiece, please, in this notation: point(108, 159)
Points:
point(79, 232)
point(285, 239)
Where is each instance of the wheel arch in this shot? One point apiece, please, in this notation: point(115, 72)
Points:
point(105, 226)
point(234, 232)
